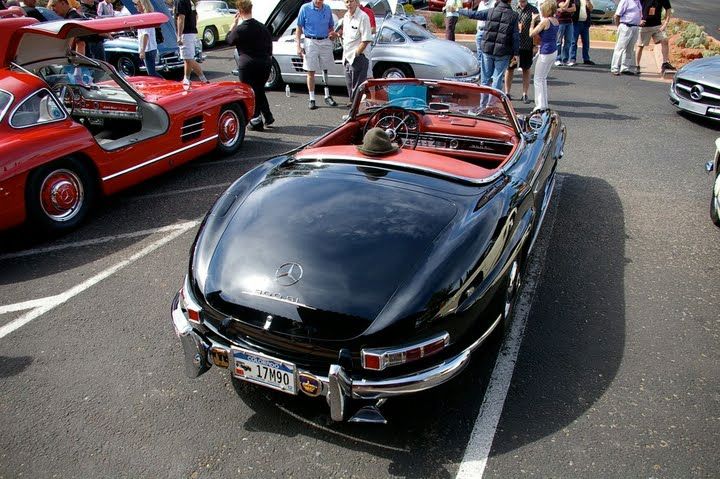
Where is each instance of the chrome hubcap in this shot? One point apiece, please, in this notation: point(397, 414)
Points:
point(61, 195)
point(394, 73)
point(229, 128)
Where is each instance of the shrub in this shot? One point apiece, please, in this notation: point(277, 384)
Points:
point(438, 19)
point(409, 9)
point(693, 36)
point(466, 25)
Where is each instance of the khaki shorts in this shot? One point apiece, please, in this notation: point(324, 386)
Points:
point(187, 49)
point(318, 55)
point(646, 33)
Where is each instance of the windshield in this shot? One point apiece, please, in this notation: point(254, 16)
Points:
point(206, 6)
point(416, 32)
point(452, 99)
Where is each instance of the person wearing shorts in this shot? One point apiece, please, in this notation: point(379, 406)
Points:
point(186, 22)
point(652, 27)
point(526, 52)
point(315, 21)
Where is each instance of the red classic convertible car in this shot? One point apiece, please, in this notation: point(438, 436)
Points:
point(71, 128)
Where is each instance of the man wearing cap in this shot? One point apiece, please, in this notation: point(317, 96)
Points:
point(356, 36)
point(315, 20)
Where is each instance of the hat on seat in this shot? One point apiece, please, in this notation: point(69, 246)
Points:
point(376, 143)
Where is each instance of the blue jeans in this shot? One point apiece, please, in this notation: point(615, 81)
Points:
point(493, 70)
point(564, 39)
point(478, 52)
point(150, 62)
point(582, 30)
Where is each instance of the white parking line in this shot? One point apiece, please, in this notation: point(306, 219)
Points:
point(43, 305)
point(104, 239)
point(481, 439)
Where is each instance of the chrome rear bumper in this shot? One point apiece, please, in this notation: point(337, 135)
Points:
point(338, 387)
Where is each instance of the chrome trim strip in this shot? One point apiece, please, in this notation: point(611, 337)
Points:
point(194, 132)
point(162, 157)
point(355, 159)
point(92, 113)
point(277, 299)
point(188, 125)
point(463, 137)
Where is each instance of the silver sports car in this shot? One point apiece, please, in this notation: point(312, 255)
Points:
point(696, 88)
point(401, 48)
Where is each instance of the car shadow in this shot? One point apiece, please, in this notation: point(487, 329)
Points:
point(700, 120)
point(572, 349)
point(11, 366)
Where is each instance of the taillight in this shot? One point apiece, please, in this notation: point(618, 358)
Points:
point(378, 359)
point(193, 309)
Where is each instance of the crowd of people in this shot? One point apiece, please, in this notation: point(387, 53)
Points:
point(507, 38)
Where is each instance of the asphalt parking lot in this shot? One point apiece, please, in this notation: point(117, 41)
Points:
point(611, 369)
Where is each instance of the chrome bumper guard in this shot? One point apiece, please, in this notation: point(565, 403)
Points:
point(338, 387)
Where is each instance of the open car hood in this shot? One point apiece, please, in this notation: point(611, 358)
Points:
point(31, 42)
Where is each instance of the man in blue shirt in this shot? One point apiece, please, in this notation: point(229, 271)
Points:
point(315, 20)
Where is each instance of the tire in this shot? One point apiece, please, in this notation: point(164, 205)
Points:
point(715, 199)
point(231, 129)
point(209, 37)
point(275, 79)
point(393, 70)
point(126, 65)
point(59, 195)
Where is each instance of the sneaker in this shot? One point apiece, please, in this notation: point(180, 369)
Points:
point(329, 101)
point(186, 84)
point(570, 63)
point(204, 79)
point(667, 67)
point(312, 105)
point(269, 120)
point(588, 62)
point(558, 63)
point(509, 96)
point(256, 124)
point(628, 72)
point(615, 72)
point(525, 99)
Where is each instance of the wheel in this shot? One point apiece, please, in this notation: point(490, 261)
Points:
point(126, 65)
point(393, 70)
point(231, 129)
point(715, 200)
point(512, 290)
point(275, 79)
point(209, 37)
point(59, 195)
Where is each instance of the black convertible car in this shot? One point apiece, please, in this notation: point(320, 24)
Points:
point(371, 262)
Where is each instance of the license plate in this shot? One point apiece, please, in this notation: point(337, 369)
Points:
point(693, 107)
point(264, 370)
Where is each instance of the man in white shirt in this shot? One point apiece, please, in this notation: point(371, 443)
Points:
point(356, 37)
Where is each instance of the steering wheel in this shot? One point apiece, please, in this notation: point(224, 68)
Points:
point(401, 125)
point(64, 91)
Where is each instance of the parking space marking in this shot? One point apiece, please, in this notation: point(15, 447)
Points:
point(478, 449)
point(44, 305)
point(96, 241)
